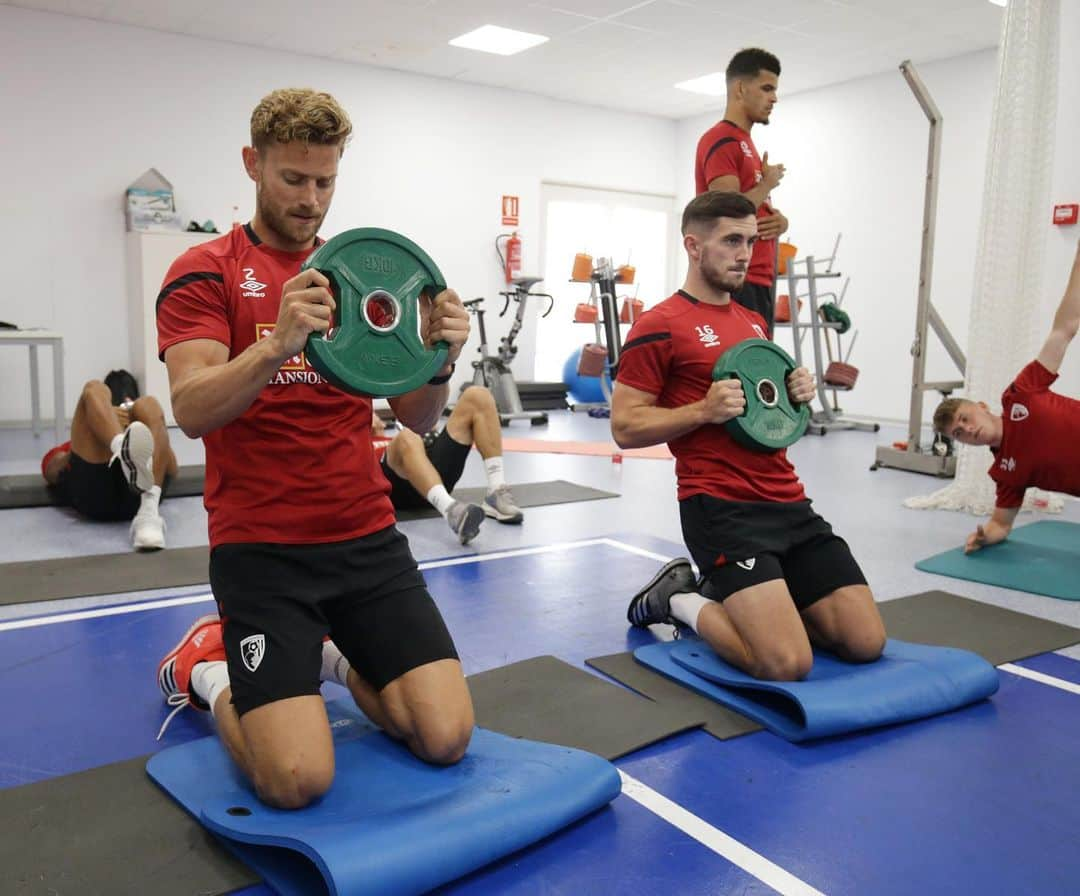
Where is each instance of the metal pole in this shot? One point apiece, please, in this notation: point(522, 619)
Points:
point(926, 255)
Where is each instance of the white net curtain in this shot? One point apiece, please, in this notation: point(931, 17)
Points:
point(1005, 332)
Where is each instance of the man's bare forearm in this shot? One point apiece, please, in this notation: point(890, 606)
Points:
point(207, 398)
point(641, 427)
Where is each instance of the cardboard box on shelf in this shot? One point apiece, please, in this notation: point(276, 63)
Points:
point(150, 204)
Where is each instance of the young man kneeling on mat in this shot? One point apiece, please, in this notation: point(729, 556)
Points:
point(775, 578)
point(302, 535)
point(117, 464)
point(423, 470)
point(1036, 439)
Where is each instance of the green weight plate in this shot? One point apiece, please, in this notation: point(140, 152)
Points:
point(771, 420)
point(377, 277)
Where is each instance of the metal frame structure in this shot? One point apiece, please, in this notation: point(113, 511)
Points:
point(913, 457)
point(826, 419)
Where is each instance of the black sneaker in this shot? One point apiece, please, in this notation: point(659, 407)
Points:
point(652, 604)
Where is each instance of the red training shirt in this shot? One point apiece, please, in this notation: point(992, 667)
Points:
point(297, 466)
point(1040, 439)
point(726, 150)
point(670, 353)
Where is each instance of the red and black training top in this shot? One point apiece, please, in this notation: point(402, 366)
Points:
point(726, 150)
point(670, 353)
point(297, 466)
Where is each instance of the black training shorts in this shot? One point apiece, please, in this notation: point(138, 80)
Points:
point(447, 457)
point(99, 491)
point(738, 544)
point(278, 602)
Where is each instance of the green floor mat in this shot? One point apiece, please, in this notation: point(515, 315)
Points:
point(1041, 558)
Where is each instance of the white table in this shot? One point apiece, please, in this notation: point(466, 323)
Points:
point(34, 338)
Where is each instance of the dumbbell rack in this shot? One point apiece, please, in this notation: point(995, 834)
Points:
point(798, 271)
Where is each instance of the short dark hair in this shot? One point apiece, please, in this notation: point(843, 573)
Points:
point(747, 63)
point(706, 208)
point(121, 385)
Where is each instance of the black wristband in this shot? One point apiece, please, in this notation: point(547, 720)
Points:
point(439, 380)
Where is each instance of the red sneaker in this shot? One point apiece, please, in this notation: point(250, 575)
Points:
point(201, 643)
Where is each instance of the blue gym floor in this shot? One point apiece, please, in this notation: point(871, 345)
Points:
point(977, 801)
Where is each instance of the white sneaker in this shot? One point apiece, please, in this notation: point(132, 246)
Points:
point(147, 532)
point(136, 456)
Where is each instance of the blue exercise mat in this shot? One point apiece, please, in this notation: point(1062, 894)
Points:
point(910, 681)
point(391, 824)
point(1040, 558)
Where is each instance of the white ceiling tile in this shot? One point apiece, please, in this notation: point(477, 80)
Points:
point(624, 54)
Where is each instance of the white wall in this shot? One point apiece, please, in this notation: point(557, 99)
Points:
point(89, 106)
point(856, 163)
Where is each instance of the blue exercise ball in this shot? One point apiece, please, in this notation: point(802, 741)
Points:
point(583, 389)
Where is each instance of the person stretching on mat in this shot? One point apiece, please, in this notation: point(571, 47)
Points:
point(423, 470)
point(774, 577)
point(118, 462)
point(305, 557)
point(1034, 440)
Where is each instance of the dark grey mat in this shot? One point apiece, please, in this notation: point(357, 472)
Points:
point(548, 700)
point(29, 489)
point(996, 634)
point(526, 494)
point(35, 580)
point(111, 831)
point(719, 721)
point(934, 617)
point(38, 580)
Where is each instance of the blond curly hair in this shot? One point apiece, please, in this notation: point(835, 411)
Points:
point(299, 113)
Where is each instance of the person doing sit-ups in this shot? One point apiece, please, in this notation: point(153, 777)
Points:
point(118, 462)
point(423, 470)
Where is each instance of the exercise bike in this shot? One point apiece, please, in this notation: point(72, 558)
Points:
point(493, 371)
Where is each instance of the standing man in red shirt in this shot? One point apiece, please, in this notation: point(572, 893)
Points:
point(302, 535)
point(1036, 439)
point(727, 160)
point(775, 578)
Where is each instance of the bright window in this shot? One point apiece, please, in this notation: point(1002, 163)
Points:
point(629, 228)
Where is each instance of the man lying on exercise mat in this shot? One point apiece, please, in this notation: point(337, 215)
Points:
point(1036, 439)
point(423, 470)
point(118, 461)
point(774, 576)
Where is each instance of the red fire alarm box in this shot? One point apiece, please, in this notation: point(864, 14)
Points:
point(1066, 214)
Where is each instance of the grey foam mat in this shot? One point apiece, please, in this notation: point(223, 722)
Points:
point(37, 580)
point(111, 831)
point(549, 700)
point(30, 490)
point(526, 494)
point(40, 580)
point(933, 617)
point(108, 831)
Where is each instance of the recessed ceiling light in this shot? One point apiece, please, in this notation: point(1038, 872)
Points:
point(1000, 2)
point(493, 39)
point(711, 85)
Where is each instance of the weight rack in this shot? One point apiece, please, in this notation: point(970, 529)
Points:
point(807, 269)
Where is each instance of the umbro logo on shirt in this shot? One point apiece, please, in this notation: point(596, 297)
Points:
point(1018, 413)
point(746, 564)
point(707, 335)
point(250, 286)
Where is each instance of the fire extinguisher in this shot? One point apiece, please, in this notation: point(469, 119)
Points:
point(511, 260)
